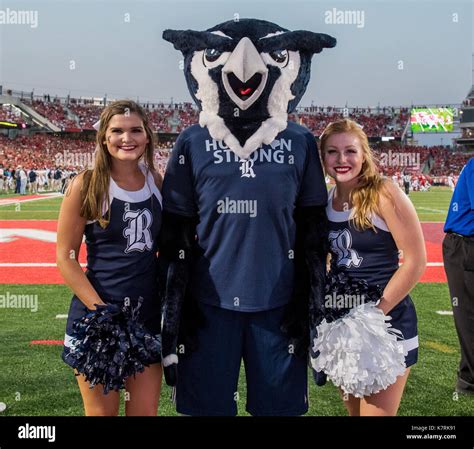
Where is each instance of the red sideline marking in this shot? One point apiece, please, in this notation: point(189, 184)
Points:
point(30, 275)
point(434, 274)
point(29, 250)
point(47, 225)
point(47, 342)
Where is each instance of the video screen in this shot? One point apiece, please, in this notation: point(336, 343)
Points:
point(425, 120)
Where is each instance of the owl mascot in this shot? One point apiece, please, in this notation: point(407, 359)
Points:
point(244, 237)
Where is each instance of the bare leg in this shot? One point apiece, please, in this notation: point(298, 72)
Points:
point(351, 403)
point(96, 403)
point(386, 402)
point(144, 392)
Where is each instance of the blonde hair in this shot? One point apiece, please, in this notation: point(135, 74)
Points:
point(365, 197)
point(95, 187)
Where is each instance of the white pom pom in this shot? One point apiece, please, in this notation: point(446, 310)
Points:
point(360, 352)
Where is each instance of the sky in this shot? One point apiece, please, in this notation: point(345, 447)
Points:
point(403, 52)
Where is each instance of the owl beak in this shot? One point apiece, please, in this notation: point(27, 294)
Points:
point(244, 75)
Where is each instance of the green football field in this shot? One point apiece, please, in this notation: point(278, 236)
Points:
point(431, 206)
point(35, 381)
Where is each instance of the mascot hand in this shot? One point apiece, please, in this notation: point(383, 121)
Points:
point(175, 262)
point(192, 319)
point(295, 325)
point(171, 374)
point(319, 377)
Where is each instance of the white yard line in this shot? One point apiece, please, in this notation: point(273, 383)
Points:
point(430, 264)
point(19, 200)
point(433, 210)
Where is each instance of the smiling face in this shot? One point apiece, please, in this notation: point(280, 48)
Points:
point(343, 156)
point(125, 137)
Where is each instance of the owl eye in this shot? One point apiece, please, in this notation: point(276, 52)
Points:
point(211, 54)
point(279, 56)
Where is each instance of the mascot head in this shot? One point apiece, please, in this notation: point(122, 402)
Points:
point(246, 76)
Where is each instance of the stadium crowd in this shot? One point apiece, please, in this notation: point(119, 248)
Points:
point(8, 113)
point(47, 161)
point(54, 159)
point(173, 118)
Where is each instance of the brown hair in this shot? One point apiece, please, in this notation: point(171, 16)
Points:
point(95, 187)
point(365, 197)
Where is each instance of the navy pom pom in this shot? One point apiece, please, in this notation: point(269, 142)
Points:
point(110, 345)
point(343, 293)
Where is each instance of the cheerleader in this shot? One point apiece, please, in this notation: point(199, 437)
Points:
point(117, 207)
point(370, 221)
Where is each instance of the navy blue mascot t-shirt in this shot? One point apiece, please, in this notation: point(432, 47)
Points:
point(246, 230)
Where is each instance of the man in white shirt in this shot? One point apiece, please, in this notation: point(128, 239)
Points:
point(23, 180)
